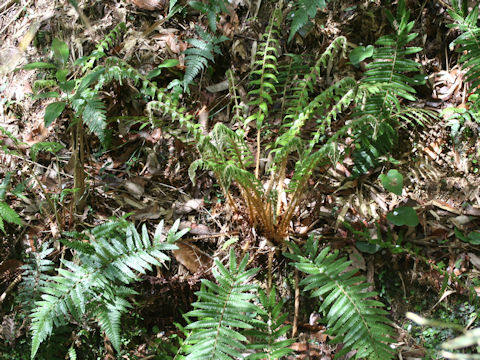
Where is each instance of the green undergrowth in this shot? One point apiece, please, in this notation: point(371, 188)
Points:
point(298, 120)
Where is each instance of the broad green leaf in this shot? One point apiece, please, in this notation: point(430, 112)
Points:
point(474, 238)
point(158, 70)
point(61, 75)
point(366, 247)
point(9, 215)
point(67, 86)
point(404, 215)
point(60, 51)
point(53, 111)
point(460, 235)
point(392, 182)
point(39, 65)
point(361, 53)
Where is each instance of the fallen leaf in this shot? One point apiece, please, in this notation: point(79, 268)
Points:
point(191, 257)
point(357, 259)
point(475, 260)
point(188, 207)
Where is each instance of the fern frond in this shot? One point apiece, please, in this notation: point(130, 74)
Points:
point(269, 332)
point(94, 116)
point(92, 286)
point(35, 275)
point(263, 79)
point(222, 309)
point(264, 76)
point(108, 41)
point(212, 8)
point(109, 315)
point(9, 215)
point(302, 12)
point(390, 66)
point(358, 321)
point(201, 52)
point(468, 41)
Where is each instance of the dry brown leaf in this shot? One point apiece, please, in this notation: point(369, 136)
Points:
point(188, 207)
point(191, 257)
point(475, 260)
point(134, 188)
point(149, 5)
point(357, 259)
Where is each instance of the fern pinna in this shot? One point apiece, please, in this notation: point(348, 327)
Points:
point(357, 321)
point(94, 285)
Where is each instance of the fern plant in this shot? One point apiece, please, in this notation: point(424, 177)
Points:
point(76, 93)
point(200, 53)
point(391, 70)
point(271, 205)
point(230, 323)
point(466, 23)
point(94, 285)
point(357, 321)
point(303, 10)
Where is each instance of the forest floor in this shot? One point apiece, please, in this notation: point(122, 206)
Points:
point(145, 171)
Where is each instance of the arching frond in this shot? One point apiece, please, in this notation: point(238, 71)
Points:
point(92, 286)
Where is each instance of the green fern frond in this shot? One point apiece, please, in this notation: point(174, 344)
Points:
point(264, 76)
point(9, 215)
point(78, 245)
point(94, 116)
point(375, 141)
point(303, 11)
point(358, 321)
point(201, 52)
point(35, 275)
point(391, 65)
point(212, 8)
point(269, 333)
point(107, 43)
point(222, 310)
point(468, 41)
point(109, 315)
point(92, 286)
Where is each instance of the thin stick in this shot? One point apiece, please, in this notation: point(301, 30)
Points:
point(10, 287)
point(297, 305)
